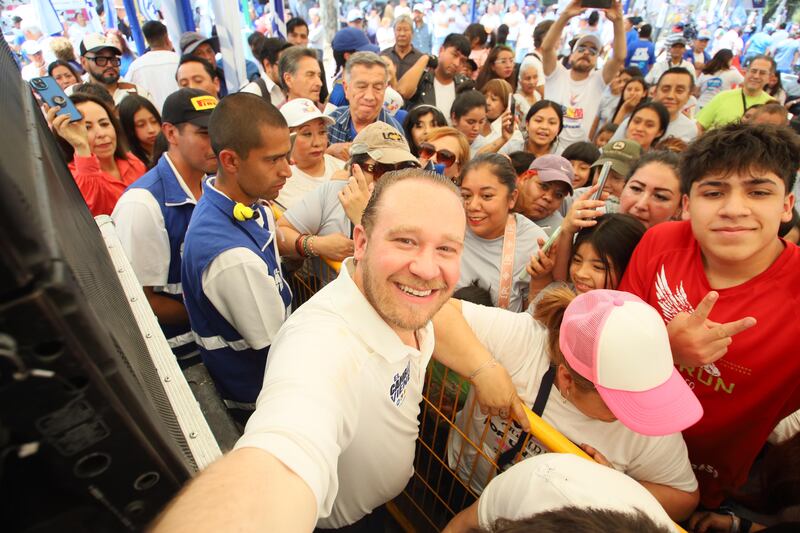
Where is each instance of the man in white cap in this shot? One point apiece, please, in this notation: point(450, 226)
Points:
point(674, 48)
point(37, 66)
point(355, 18)
point(579, 89)
point(100, 59)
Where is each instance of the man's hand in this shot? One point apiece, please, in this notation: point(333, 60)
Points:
point(339, 150)
point(497, 395)
point(598, 457)
point(614, 13)
point(703, 521)
point(573, 9)
point(696, 341)
point(355, 196)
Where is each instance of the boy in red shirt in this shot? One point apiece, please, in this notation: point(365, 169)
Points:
point(729, 289)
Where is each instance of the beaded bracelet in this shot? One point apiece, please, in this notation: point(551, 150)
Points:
point(306, 249)
point(311, 246)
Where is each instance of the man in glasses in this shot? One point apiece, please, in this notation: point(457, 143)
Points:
point(579, 89)
point(322, 222)
point(729, 106)
point(100, 59)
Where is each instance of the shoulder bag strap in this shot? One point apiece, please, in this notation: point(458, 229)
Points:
point(539, 404)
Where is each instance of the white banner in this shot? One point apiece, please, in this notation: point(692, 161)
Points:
point(228, 18)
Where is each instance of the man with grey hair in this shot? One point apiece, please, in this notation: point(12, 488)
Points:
point(403, 54)
point(299, 73)
point(365, 80)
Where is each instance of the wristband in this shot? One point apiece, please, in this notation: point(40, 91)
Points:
point(489, 363)
point(745, 525)
point(306, 249)
point(311, 246)
point(298, 245)
point(735, 523)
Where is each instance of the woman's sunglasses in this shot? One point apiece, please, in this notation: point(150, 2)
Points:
point(379, 169)
point(443, 157)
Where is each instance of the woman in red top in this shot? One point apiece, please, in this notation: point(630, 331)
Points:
point(95, 147)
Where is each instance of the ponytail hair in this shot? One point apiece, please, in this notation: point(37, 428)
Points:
point(550, 313)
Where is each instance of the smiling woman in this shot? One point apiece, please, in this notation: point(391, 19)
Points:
point(495, 236)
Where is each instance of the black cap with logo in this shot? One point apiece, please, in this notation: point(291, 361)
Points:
point(188, 105)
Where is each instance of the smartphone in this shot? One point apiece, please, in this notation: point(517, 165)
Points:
point(53, 95)
point(551, 240)
point(512, 104)
point(597, 4)
point(605, 170)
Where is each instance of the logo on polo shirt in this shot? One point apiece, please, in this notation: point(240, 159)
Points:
point(397, 392)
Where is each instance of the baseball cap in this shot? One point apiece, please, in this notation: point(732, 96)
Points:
point(190, 40)
point(30, 47)
point(94, 42)
point(418, 7)
point(552, 481)
point(622, 154)
point(188, 105)
point(382, 143)
point(704, 35)
point(619, 343)
point(589, 38)
point(298, 111)
point(553, 167)
point(675, 39)
point(352, 39)
point(354, 14)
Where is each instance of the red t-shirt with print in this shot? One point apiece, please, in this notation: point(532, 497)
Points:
point(759, 377)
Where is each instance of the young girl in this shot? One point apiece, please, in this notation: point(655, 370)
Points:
point(418, 122)
point(582, 155)
point(543, 125)
point(579, 362)
point(468, 115)
point(141, 123)
point(648, 123)
point(718, 75)
point(497, 93)
point(499, 64)
point(632, 95)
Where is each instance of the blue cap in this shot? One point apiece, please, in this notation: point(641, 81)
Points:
point(352, 39)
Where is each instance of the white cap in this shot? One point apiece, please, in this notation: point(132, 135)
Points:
point(392, 101)
point(419, 7)
point(552, 481)
point(354, 14)
point(301, 110)
point(31, 47)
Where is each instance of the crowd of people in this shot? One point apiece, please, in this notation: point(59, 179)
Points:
point(565, 213)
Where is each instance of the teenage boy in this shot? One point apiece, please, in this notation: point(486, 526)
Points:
point(726, 285)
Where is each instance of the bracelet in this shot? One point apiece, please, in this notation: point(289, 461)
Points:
point(745, 525)
point(489, 363)
point(735, 523)
point(311, 246)
point(298, 245)
point(306, 250)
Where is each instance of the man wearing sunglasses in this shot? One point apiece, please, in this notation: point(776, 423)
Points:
point(579, 89)
point(322, 222)
point(101, 59)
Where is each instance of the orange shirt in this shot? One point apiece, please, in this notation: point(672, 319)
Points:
point(100, 189)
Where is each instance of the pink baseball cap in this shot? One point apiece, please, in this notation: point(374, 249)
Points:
point(619, 343)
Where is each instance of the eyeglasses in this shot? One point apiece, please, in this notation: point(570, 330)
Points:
point(583, 48)
point(102, 61)
point(379, 169)
point(505, 61)
point(444, 157)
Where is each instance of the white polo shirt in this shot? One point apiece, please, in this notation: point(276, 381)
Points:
point(519, 343)
point(554, 481)
point(340, 402)
point(155, 71)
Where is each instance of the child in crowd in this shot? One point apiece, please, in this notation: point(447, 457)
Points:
point(604, 134)
point(582, 155)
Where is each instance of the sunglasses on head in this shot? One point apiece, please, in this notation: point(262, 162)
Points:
point(379, 169)
point(443, 157)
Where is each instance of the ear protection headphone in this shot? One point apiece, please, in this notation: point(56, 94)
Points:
point(242, 212)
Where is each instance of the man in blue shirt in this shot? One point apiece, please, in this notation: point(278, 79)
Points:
point(365, 80)
point(422, 33)
point(786, 52)
point(642, 52)
point(757, 45)
point(697, 55)
point(233, 285)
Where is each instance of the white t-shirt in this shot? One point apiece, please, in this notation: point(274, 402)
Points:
point(580, 100)
point(340, 402)
point(142, 233)
point(445, 95)
point(514, 21)
point(301, 183)
point(519, 343)
point(712, 84)
point(661, 67)
point(155, 71)
point(555, 480)
point(490, 21)
point(682, 127)
point(481, 258)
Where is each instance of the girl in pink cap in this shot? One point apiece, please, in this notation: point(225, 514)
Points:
point(598, 367)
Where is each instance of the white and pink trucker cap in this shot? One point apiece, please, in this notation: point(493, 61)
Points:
point(619, 343)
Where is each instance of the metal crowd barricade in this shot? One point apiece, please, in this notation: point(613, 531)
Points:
point(310, 278)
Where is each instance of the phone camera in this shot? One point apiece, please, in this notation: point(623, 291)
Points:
point(59, 100)
point(38, 84)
